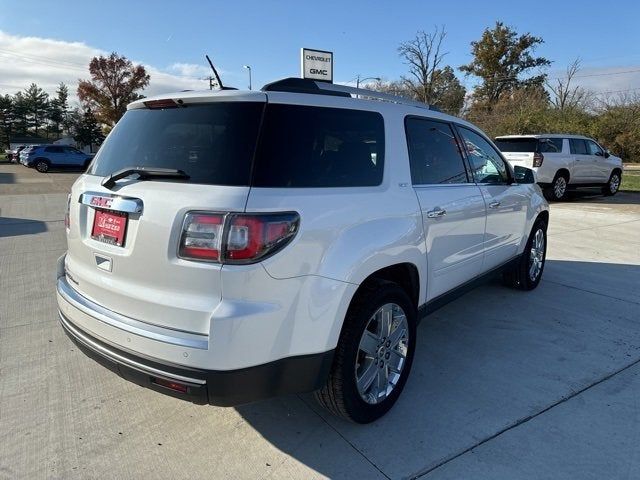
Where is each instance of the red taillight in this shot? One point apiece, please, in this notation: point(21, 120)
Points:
point(538, 158)
point(236, 238)
point(202, 236)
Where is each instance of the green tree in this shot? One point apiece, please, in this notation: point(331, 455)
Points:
point(58, 110)
point(617, 126)
point(502, 59)
point(6, 119)
point(20, 112)
point(35, 102)
point(524, 111)
point(428, 80)
point(87, 129)
point(115, 82)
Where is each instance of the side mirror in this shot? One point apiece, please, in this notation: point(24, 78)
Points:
point(524, 174)
point(606, 154)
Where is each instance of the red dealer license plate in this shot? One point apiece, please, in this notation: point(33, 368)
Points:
point(109, 227)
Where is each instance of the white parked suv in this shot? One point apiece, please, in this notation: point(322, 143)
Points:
point(563, 162)
point(229, 246)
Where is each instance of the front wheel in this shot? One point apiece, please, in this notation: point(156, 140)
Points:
point(612, 186)
point(526, 274)
point(374, 354)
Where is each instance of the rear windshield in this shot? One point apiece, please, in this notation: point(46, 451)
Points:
point(532, 145)
point(212, 143)
point(298, 146)
point(517, 145)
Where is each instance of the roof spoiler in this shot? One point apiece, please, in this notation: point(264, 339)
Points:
point(303, 85)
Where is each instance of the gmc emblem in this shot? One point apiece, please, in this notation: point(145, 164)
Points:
point(104, 202)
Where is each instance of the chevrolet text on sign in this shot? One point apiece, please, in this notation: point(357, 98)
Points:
point(317, 64)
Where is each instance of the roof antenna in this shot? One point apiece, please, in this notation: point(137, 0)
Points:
point(216, 77)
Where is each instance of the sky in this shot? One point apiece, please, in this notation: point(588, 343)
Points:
point(49, 42)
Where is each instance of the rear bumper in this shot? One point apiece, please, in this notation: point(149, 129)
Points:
point(224, 388)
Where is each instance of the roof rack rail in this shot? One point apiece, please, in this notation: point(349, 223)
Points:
point(303, 85)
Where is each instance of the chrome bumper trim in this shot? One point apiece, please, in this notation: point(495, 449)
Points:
point(136, 327)
point(117, 358)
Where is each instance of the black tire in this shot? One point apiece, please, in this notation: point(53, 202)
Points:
point(340, 393)
point(42, 165)
point(518, 277)
point(613, 185)
point(558, 189)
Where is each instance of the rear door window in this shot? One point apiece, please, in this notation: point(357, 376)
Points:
point(306, 146)
point(578, 146)
point(434, 153)
point(212, 143)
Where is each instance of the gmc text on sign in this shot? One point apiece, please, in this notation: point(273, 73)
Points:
point(316, 64)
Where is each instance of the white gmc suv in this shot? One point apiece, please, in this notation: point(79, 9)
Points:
point(563, 162)
point(229, 246)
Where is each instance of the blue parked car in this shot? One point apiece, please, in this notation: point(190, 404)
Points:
point(44, 157)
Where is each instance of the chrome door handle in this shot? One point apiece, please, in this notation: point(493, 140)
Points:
point(495, 204)
point(436, 213)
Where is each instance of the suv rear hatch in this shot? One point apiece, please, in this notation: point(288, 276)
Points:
point(519, 151)
point(124, 234)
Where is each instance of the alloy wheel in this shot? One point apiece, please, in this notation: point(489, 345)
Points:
point(614, 183)
point(536, 256)
point(560, 187)
point(382, 353)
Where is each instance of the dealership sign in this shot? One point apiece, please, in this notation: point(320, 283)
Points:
point(316, 65)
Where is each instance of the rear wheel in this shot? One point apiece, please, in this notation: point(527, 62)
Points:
point(526, 274)
point(42, 166)
point(374, 354)
point(557, 191)
point(612, 186)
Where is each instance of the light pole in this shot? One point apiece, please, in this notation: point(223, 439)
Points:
point(248, 68)
point(358, 80)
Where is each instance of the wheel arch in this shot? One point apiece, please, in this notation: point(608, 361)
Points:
point(404, 274)
point(563, 172)
point(543, 215)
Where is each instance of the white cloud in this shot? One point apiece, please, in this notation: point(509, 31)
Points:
point(47, 62)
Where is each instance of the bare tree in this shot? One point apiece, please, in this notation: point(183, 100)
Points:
point(428, 80)
point(565, 95)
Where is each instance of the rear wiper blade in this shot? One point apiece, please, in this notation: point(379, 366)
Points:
point(143, 173)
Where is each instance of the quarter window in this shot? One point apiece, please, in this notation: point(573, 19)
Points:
point(550, 145)
point(303, 146)
point(578, 146)
point(486, 163)
point(434, 153)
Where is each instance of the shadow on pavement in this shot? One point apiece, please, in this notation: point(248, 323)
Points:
point(595, 196)
point(7, 178)
point(14, 227)
point(484, 363)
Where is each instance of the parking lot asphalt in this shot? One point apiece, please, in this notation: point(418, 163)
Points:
point(505, 384)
